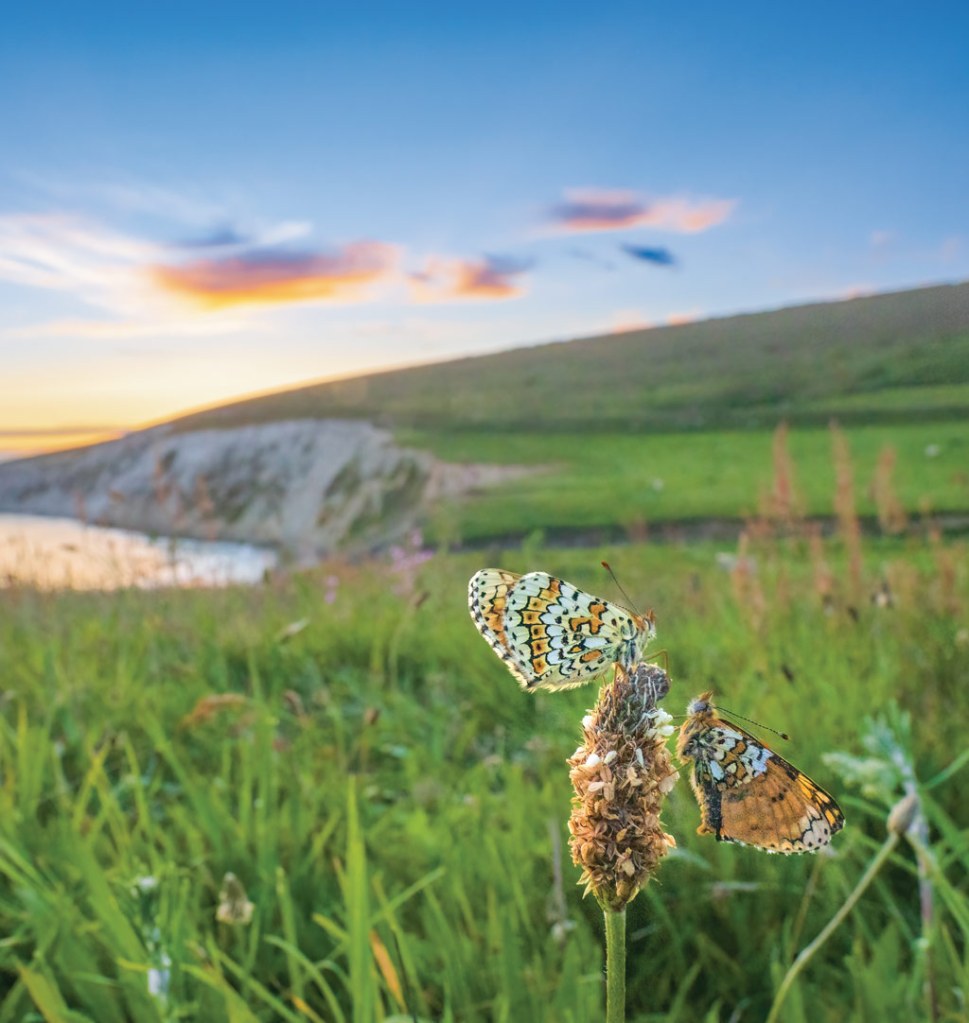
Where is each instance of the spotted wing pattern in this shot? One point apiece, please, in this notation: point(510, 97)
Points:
point(747, 793)
point(551, 634)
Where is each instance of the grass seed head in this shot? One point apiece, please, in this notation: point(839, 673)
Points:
point(621, 773)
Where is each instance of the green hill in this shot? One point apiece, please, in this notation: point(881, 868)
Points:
point(878, 359)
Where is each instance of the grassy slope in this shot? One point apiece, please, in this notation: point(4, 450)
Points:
point(800, 363)
point(674, 423)
point(387, 796)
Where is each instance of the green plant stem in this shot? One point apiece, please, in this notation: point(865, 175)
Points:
point(807, 953)
point(615, 965)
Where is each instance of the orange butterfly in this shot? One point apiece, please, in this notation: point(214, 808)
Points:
point(747, 793)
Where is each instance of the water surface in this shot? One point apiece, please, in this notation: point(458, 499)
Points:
point(56, 553)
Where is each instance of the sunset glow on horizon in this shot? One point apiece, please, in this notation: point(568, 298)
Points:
point(194, 209)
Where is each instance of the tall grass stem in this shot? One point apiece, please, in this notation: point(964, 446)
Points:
point(807, 953)
point(615, 965)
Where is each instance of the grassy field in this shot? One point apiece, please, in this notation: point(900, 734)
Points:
point(347, 746)
point(687, 478)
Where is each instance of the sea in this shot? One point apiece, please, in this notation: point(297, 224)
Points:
point(60, 553)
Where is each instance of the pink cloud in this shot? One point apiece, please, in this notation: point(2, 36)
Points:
point(628, 319)
point(605, 210)
point(850, 291)
point(488, 278)
point(679, 319)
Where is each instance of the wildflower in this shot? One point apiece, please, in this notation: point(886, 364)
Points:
point(405, 563)
point(234, 905)
point(621, 773)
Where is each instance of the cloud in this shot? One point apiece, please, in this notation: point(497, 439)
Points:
point(661, 257)
point(125, 329)
point(679, 319)
point(491, 277)
point(605, 210)
point(629, 319)
point(222, 236)
point(268, 277)
point(850, 291)
point(63, 252)
point(136, 284)
point(99, 266)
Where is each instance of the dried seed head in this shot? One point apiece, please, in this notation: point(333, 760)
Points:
point(621, 774)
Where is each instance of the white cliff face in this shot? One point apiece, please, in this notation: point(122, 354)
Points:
point(311, 487)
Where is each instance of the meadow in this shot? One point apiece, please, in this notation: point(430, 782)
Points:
point(394, 807)
point(683, 483)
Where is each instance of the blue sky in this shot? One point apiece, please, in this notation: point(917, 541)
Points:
point(200, 201)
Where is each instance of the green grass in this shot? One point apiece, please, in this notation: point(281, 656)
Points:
point(916, 399)
point(736, 372)
point(394, 805)
point(617, 482)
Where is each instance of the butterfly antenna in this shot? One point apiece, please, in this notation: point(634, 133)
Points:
point(629, 601)
point(783, 735)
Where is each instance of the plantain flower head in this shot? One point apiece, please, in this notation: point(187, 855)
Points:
point(621, 774)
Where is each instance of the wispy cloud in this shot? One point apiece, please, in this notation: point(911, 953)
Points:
point(658, 256)
point(124, 329)
point(491, 277)
point(65, 253)
point(679, 319)
point(608, 210)
point(136, 283)
point(268, 277)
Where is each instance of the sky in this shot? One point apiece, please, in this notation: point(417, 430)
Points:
point(201, 201)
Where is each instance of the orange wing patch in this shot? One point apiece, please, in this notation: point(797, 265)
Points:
point(747, 793)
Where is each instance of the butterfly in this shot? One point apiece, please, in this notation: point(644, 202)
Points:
point(551, 634)
point(747, 793)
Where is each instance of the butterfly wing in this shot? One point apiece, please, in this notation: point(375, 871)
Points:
point(784, 812)
point(551, 634)
point(487, 598)
point(751, 795)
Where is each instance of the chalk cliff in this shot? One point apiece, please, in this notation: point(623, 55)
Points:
point(309, 487)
